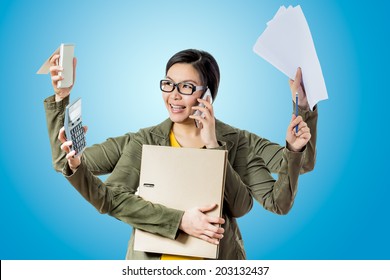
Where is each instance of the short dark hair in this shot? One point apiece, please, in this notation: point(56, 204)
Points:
point(204, 63)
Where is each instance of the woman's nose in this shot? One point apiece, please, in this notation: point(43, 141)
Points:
point(175, 94)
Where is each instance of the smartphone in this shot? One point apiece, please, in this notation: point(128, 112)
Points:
point(73, 126)
point(66, 62)
point(199, 113)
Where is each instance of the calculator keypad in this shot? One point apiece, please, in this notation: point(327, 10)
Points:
point(78, 139)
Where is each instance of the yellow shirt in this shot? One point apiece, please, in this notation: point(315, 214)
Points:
point(176, 144)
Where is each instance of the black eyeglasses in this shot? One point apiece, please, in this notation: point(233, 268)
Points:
point(183, 88)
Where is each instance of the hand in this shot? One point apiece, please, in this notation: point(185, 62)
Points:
point(61, 93)
point(297, 140)
point(73, 161)
point(195, 223)
point(207, 123)
point(296, 85)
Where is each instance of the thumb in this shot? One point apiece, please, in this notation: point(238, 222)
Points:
point(207, 208)
point(292, 123)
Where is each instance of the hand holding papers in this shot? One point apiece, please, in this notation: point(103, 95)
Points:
point(287, 44)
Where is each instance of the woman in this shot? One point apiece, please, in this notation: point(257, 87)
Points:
point(188, 74)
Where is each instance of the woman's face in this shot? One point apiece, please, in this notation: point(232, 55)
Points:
point(179, 106)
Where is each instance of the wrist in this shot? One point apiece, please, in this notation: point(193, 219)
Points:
point(212, 145)
point(57, 98)
point(292, 148)
point(73, 169)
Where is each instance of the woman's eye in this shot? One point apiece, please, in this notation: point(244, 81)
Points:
point(187, 86)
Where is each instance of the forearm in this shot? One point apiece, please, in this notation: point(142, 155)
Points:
point(237, 197)
point(278, 196)
point(310, 117)
point(102, 158)
point(121, 202)
point(99, 158)
point(55, 120)
point(272, 153)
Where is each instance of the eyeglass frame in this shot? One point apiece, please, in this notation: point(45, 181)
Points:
point(176, 85)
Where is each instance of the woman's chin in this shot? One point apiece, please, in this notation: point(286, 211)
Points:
point(180, 119)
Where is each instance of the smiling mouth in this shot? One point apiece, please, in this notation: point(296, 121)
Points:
point(176, 107)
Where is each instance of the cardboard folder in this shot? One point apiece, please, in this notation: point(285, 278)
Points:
point(181, 178)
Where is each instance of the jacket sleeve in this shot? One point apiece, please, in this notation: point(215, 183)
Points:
point(275, 195)
point(272, 153)
point(116, 196)
point(278, 196)
point(99, 158)
point(237, 197)
point(55, 112)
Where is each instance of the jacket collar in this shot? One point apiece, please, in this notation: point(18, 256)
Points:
point(224, 132)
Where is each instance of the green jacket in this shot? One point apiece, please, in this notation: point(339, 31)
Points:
point(251, 159)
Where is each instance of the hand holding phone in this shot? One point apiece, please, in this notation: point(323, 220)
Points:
point(198, 112)
point(66, 62)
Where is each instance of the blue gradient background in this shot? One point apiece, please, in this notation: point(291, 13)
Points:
point(341, 211)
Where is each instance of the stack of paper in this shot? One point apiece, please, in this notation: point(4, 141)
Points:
point(287, 44)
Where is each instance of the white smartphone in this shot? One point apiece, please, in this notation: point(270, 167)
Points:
point(66, 62)
point(199, 113)
point(73, 126)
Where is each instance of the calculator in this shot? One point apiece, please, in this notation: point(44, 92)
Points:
point(73, 126)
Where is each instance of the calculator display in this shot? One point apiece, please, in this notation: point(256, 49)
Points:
point(75, 110)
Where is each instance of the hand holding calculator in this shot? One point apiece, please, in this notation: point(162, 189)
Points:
point(73, 126)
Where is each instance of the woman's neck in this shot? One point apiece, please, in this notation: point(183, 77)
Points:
point(188, 135)
point(185, 129)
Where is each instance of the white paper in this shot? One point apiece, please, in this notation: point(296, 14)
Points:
point(287, 44)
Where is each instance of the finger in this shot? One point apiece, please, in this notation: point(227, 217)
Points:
point(85, 129)
point(54, 59)
point(61, 135)
point(205, 103)
point(71, 155)
point(56, 78)
point(303, 124)
point(215, 220)
point(198, 118)
point(207, 208)
point(298, 76)
point(206, 113)
point(208, 239)
point(296, 121)
point(302, 131)
point(212, 234)
point(74, 69)
point(306, 136)
point(215, 229)
point(292, 122)
point(66, 146)
point(55, 69)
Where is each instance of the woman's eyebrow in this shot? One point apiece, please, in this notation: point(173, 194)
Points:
point(185, 81)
